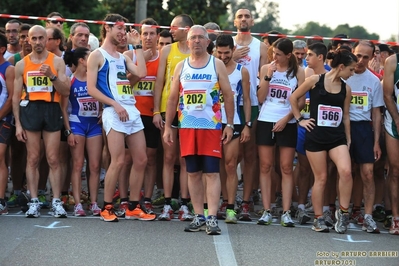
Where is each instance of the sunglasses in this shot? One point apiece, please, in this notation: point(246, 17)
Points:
point(56, 22)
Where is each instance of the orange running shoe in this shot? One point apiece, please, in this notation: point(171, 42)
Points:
point(108, 214)
point(139, 214)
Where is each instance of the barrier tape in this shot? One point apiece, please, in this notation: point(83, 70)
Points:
point(100, 22)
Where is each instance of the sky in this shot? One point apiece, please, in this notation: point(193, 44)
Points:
point(381, 16)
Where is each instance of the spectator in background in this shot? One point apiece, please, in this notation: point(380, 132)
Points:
point(165, 38)
point(337, 43)
point(299, 51)
point(55, 23)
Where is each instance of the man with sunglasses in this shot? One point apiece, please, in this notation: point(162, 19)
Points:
point(55, 23)
point(13, 46)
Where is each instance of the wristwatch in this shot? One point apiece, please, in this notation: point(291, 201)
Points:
point(67, 132)
point(230, 126)
point(138, 46)
point(53, 78)
point(249, 124)
point(267, 78)
point(299, 119)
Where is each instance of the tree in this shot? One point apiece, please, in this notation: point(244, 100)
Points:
point(88, 9)
point(313, 28)
point(357, 32)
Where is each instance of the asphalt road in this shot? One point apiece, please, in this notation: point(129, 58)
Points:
point(89, 241)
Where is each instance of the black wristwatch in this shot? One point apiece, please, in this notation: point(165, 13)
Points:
point(267, 78)
point(53, 78)
point(249, 124)
point(299, 119)
point(138, 46)
point(67, 132)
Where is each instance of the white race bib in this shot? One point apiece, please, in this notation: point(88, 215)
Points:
point(329, 116)
point(88, 107)
point(279, 94)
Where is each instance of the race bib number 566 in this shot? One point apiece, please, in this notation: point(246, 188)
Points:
point(329, 116)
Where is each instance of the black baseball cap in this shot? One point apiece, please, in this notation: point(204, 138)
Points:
point(385, 48)
point(342, 36)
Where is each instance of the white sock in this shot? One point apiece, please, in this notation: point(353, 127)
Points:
point(55, 199)
point(326, 208)
point(301, 206)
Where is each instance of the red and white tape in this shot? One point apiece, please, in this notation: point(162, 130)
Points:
point(167, 27)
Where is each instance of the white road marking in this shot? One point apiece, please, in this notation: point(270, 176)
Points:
point(53, 226)
point(224, 250)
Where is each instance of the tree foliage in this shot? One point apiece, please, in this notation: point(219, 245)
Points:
point(87, 9)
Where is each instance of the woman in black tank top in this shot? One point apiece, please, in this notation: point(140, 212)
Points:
point(328, 133)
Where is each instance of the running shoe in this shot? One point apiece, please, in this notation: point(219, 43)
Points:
point(139, 214)
point(159, 201)
point(342, 221)
point(388, 222)
point(3, 208)
point(57, 209)
point(184, 214)
point(122, 209)
point(302, 216)
point(394, 229)
point(34, 209)
point(319, 225)
point(167, 213)
point(379, 214)
point(244, 213)
point(231, 217)
point(357, 217)
point(286, 220)
point(94, 209)
point(108, 214)
point(328, 218)
point(13, 201)
point(78, 210)
point(212, 227)
point(23, 200)
point(148, 208)
point(198, 224)
point(266, 218)
point(222, 210)
point(175, 205)
point(369, 225)
point(43, 201)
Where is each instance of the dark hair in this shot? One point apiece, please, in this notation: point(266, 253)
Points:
point(77, 24)
point(224, 40)
point(2, 30)
point(315, 39)
point(345, 47)
point(210, 47)
point(58, 35)
point(14, 21)
point(186, 20)
point(365, 42)
point(111, 18)
point(150, 21)
point(341, 56)
point(24, 27)
point(165, 34)
point(53, 14)
point(335, 43)
point(72, 57)
point(286, 46)
point(319, 48)
point(3, 42)
point(272, 39)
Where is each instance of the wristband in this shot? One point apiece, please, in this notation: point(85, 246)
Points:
point(156, 113)
point(299, 119)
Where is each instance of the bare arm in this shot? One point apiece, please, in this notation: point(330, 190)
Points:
point(388, 87)
point(228, 99)
point(140, 70)
point(16, 98)
point(245, 92)
point(346, 118)
point(263, 84)
point(376, 118)
point(7, 107)
point(263, 55)
point(172, 104)
point(62, 83)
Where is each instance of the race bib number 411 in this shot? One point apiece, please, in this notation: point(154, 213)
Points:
point(329, 116)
